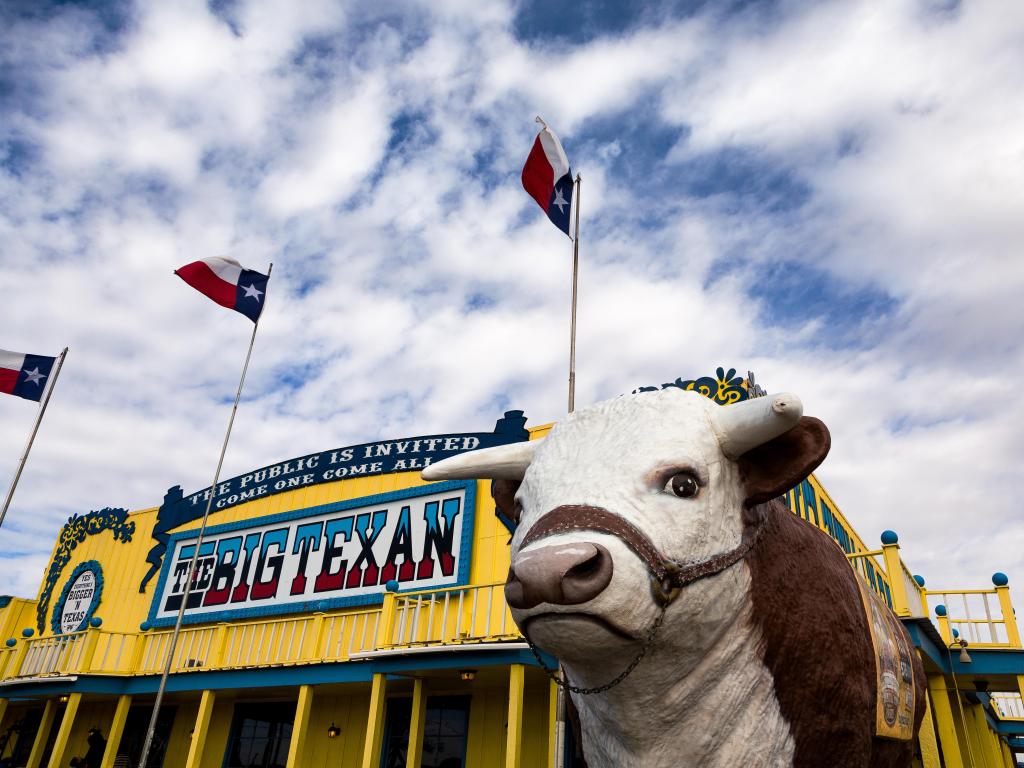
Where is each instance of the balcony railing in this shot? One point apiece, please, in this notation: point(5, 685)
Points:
point(459, 615)
point(982, 617)
point(452, 616)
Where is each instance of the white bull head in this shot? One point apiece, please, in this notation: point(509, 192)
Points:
point(612, 506)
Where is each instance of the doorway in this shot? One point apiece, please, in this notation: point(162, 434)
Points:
point(133, 738)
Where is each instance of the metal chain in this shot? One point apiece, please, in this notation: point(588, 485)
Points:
point(648, 640)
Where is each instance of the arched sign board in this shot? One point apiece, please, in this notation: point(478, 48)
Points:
point(380, 458)
point(79, 599)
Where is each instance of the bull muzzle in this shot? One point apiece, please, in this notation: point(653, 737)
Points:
point(560, 574)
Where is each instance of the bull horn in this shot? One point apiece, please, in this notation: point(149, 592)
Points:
point(502, 462)
point(743, 426)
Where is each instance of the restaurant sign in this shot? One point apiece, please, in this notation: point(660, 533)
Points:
point(410, 454)
point(340, 554)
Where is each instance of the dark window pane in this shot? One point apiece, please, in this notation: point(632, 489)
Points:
point(260, 736)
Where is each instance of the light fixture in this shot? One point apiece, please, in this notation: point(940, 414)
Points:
point(334, 731)
point(467, 675)
point(63, 699)
point(965, 658)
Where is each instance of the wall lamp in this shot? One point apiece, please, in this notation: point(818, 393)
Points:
point(965, 658)
point(63, 699)
point(334, 731)
point(467, 675)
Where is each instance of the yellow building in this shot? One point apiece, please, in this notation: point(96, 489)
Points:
point(346, 613)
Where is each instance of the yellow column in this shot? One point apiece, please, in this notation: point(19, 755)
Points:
point(514, 746)
point(944, 721)
point(981, 731)
point(195, 749)
point(1008, 759)
point(218, 659)
point(375, 722)
point(926, 737)
point(297, 746)
point(124, 703)
point(60, 746)
point(388, 611)
point(1003, 593)
point(989, 740)
point(552, 721)
point(317, 635)
point(36, 755)
point(897, 587)
point(942, 617)
point(19, 658)
point(417, 722)
point(92, 638)
point(3, 709)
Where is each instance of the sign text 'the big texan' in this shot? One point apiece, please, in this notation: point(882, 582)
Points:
point(334, 555)
point(387, 456)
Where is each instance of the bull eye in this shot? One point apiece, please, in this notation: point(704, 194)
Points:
point(684, 485)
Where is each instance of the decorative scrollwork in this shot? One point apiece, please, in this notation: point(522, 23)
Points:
point(74, 532)
point(725, 388)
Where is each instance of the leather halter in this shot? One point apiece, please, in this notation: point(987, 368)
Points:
point(668, 576)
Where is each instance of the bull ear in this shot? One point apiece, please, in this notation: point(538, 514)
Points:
point(771, 469)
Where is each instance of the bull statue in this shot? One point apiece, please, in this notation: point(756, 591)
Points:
point(698, 622)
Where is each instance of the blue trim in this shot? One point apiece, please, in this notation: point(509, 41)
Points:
point(58, 608)
point(313, 674)
point(985, 662)
point(462, 577)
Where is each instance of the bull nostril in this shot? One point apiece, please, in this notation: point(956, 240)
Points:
point(564, 574)
point(514, 590)
point(589, 567)
point(587, 578)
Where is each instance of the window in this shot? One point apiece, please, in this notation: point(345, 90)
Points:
point(260, 735)
point(445, 732)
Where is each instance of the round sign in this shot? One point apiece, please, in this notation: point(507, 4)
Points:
point(79, 598)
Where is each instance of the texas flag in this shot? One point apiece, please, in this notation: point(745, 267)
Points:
point(24, 375)
point(548, 178)
point(228, 283)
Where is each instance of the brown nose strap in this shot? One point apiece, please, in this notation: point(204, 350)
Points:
point(667, 576)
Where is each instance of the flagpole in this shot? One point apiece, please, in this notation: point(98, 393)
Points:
point(575, 277)
point(39, 419)
point(147, 744)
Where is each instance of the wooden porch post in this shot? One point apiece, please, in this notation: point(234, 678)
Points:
point(417, 722)
point(60, 746)
point(944, 720)
point(514, 745)
point(375, 722)
point(124, 703)
point(195, 749)
point(303, 708)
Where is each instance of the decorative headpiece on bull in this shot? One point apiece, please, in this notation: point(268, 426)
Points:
point(647, 537)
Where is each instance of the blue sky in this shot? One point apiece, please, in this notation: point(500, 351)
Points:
point(826, 193)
